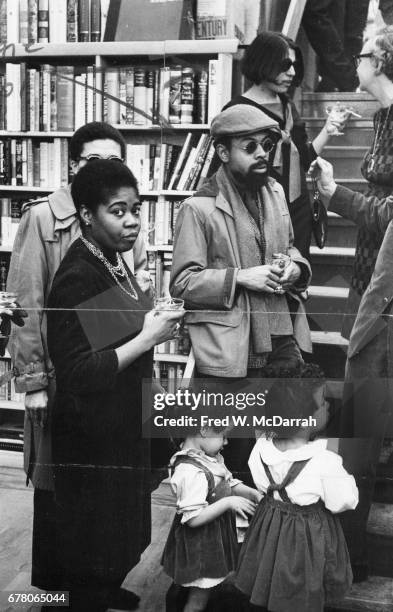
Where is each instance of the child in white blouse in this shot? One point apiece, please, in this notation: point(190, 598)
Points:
point(294, 556)
point(202, 547)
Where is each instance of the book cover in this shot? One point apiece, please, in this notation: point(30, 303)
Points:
point(187, 96)
point(141, 20)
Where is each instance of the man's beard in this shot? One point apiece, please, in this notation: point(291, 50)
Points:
point(252, 179)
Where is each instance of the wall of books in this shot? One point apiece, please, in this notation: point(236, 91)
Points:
point(58, 71)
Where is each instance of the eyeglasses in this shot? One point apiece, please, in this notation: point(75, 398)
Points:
point(358, 58)
point(287, 63)
point(267, 145)
point(94, 156)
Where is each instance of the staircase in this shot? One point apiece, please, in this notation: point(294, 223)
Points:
point(332, 268)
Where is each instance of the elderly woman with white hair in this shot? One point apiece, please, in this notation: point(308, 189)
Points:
point(369, 368)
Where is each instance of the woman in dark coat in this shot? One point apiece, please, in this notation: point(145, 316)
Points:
point(273, 64)
point(100, 340)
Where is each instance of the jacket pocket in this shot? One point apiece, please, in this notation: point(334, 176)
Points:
point(230, 318)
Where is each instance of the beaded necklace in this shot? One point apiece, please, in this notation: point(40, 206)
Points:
point(114, 271)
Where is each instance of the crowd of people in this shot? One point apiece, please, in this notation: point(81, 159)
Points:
point(241, 266)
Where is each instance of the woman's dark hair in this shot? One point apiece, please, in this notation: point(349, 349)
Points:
point(291, 395)
point(263, 58)
point(98, 180)
point(96, 130)
point(384, 51)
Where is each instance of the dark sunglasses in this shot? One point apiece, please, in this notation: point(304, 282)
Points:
point(95, 156)
point(287, 63)
point(267, 145)
point(358, 58)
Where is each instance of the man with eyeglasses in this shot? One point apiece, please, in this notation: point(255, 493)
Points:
point(47, 228)
point(246, 309)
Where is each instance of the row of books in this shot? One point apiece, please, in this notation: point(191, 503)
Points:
point(34, 163)
point(136, 95)
point(172, 167)
point(169, 375)
point(55, 21)
point(158, 220)
point(177, 346)
point(51, 98)
point(7, 391)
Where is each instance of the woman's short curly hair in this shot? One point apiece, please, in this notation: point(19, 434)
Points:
point(384, 51)
point(262, 59)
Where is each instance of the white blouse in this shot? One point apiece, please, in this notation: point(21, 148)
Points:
point(190, 485)
point(323, 477)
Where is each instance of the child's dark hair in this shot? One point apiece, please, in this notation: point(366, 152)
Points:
point(291, 397)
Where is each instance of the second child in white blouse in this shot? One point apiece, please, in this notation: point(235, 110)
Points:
point(294, 555)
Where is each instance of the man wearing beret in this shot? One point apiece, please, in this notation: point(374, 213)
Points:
point(245, 311)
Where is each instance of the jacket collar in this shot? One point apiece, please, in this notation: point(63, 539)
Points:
point(62, 207)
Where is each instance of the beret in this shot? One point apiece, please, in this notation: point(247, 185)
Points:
point(241, 119)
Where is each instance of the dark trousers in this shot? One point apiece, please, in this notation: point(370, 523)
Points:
point(285, 354)
point(334, 29)
point(367, 407)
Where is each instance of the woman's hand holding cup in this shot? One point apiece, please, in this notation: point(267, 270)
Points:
point(163, 324)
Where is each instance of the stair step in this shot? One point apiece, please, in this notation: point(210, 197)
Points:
point(326, 307)
point(315, 104)
point(332, 265)
point(331, 338)
point(373, 595)
point(328, 292)
point(341, 232)
point(356, 184)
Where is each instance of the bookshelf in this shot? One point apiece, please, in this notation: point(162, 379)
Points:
point(147, 144)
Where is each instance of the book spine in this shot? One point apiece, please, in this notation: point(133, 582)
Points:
point(18, 162)
point(164, 94)
point(130, 96)
point(7, 162)
point(15, 214)
point(180, 162)
point(95, 11)
point(84, 21)
point(79, 101)
point(212, 104)
point(53, 98)
point(12, 21)
point(5, 233)
point(72, 20)
point(201, 97)
point(23, 97)
point(3, 22)
point(30, 161)
point(44, 164)
point(45, 98)
point(98, 93)
point(122, 95)
point(175, 94)
point(2, 162)
point(2, 102)
point(13, 101)
point(65, 98)
point(37, 80)
point(43, 21)
point(33, 21)
point(187, 95)
point(23, 22)
point(149, 96)
point(112, 95)
point(36, 164)
point(13, 162)
point(156, 97)
point(139, 97)
point(206, 165)
point(90, 97)
point(64, 162)
point(58, 21)
point(24, 161)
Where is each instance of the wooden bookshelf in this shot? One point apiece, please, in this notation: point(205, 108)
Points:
point(104, 55)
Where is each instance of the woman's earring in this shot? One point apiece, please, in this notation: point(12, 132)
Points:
point(87, 223)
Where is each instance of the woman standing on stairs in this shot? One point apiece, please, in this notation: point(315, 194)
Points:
point(274, 64)
point(369, 368)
